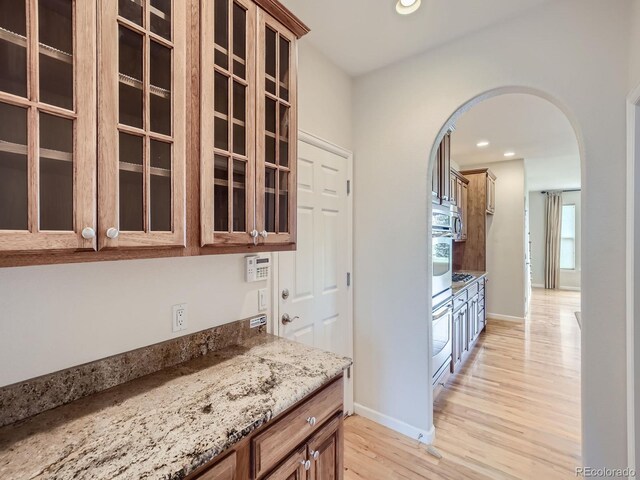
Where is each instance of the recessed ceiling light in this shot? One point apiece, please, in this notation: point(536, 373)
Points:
point(405, 7)
point(482, 144)
point(509, 154)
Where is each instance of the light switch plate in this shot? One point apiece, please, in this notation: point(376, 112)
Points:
point(263, 299)
point(179, 317)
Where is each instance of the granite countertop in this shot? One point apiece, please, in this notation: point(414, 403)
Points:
point(459, 287)
point(167, 424)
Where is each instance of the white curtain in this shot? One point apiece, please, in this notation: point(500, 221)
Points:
point(553, 227)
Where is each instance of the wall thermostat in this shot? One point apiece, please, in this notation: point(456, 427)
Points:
point(257, 268)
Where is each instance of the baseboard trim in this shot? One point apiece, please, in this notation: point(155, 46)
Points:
point(423, 436)
point(507, 318)
point(571, 289)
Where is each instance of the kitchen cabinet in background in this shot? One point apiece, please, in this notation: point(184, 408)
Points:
point(471, 255)
point(440, 180)
point(459, 197)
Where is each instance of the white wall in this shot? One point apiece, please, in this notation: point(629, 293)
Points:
point(569, 279)
point(505, 242)
point(634, 51)
point(569, 49)
point(54, 317)
point(324, 96)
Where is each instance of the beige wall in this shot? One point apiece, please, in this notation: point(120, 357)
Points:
point(324, 96)
point(634, 51)
point(55, 317)
point(571, 51)
point(505, 242)
point(569, 279)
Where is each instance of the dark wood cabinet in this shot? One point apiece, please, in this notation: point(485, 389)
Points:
point(459, 195)
point(303, 443)
point(441, 181)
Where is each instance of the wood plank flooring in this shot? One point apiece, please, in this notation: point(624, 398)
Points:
point(513, 412)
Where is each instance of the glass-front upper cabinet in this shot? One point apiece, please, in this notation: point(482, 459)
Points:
point(47, 110)
point(228, 122)
point(142, 123)
point(276, 132)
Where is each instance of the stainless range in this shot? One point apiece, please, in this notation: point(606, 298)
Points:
point(442, 254)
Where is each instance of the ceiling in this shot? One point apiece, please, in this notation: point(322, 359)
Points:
point(363, 35)
point(531, 127)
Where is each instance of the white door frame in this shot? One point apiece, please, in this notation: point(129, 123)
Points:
point(632, 304)
point(327, 146)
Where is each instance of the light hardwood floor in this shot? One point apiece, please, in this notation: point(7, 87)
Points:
point(513, 412)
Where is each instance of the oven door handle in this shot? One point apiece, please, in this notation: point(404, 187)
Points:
point(446, 310)
point(443, 235)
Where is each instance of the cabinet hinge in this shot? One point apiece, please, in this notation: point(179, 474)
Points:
point(348, 279)
point(348, 187)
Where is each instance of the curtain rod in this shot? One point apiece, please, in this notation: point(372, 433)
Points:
point(563, 191)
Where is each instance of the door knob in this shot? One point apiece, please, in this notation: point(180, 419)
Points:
point(112, 233)
point(286, 319)
point(254, 234)
point(88, 233)
point(264, 234)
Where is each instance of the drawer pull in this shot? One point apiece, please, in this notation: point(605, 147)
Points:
point(306, 464)
point(311, 421)
point(315, 454)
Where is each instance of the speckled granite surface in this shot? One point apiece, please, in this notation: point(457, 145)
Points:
point(459, 287)
point(165, 425)
point(28, 398)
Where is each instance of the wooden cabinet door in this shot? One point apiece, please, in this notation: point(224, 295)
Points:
point(276, 127)
point(456, 356)
point(223, 470)
point(295, 467)
point(47, 125)
point(453, 189)
point(445, 168)
point(227, 109)
point(464, 209)
point(142, 123)
point(325, 452)
point(435, 179)
point(473, 319)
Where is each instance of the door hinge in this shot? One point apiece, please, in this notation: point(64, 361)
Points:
point(348, 187)
point(348, 279)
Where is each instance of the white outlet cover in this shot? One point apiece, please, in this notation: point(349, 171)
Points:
point(179, 317)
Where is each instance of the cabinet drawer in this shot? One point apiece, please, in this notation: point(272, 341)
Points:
point(459, 301)
point(282, 437)
point(472, 290)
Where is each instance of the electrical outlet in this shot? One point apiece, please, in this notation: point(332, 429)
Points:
point(263, 302)
point(179, 317)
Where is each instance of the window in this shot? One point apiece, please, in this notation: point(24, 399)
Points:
point(568, 238)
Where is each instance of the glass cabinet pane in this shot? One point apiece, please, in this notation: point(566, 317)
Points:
point(283, 202)
point(14, 204)
point(221, 194)
point(160, 15)
point(131, 190)
point(55, 30)
point(270, 131)
point(239, 118)
point(221, 33)
point(131, 10)
point(13, 47)
point(221, 116)
point(270, 61)
point(239, 41)
point(131, 78)
point(284, 69)
point(270, 199)
point(239, 196)
point(160, 89)
point(160, 188)
point(56, 173)
point(283, 136)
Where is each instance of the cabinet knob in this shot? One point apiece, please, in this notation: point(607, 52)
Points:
point(88, 233)
point(315, 454)
point(306, 464)
point(264, 234)
point(113, 233)
point(311, 421)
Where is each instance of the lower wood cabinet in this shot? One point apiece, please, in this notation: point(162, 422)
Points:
point(304, 443)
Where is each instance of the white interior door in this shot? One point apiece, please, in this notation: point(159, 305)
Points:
point(312, 281)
